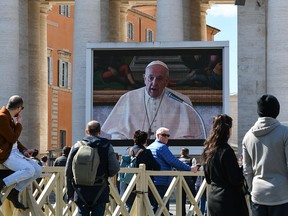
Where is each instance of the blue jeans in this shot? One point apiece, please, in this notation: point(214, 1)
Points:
point(96, 210)
point(25, 170)
point(265, 210)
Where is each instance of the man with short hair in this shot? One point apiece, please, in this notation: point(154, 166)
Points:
point(167, 161)
point(61, 161)
point(109, 166)
point(149, 108)
point(265, 160)
point(13, 154)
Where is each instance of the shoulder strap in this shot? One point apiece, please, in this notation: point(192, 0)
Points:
point(131, 152)
point(81, 143)
point(103, 185)
point(138, 152)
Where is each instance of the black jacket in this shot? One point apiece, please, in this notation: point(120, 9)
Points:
point(145, 157)
point(109, 166)
point(223, 173)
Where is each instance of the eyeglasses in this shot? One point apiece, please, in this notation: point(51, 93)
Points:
point(165, 135)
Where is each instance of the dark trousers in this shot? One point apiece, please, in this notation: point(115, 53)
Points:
point(161, 190)
point(96, 210)
point(191, 183)
point(265, 210)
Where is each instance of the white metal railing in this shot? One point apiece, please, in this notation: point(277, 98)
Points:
point(46, 197)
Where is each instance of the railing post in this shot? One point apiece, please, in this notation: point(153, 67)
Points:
point(179, 194)
point(141, 190)
point(59, 194)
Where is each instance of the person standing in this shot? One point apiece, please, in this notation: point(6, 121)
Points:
point(265, 160)
point(13, 154)
point(44, 160)
point(222, 171)
point(190, 180)
point(109, 166)
point(167, 161)
point(61, 161)
point(144, 156)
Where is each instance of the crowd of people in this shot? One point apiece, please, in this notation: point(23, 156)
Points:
point(263, 167)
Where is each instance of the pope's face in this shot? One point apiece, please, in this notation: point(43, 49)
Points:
point(156, 79)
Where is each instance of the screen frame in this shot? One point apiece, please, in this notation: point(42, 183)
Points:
point(90, 47)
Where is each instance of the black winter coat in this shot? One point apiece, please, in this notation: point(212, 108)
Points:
point(89, 192)
point(226, 197)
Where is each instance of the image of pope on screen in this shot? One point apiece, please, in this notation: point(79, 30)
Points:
point(154, 106)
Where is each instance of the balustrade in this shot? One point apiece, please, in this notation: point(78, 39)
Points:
point(48, 196)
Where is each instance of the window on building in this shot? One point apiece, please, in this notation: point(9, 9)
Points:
point(64, 72)
point(130, 29)
point(65, 10)
point(50, 70)
point(62, 139)
point(149, 35)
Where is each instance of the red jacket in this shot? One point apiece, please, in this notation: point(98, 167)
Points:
point(9, 134)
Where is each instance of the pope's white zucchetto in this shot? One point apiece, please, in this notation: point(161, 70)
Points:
point(157, 62)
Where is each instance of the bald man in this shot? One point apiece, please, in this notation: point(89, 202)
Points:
point(149, 108)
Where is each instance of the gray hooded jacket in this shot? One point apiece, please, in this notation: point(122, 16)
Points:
point(265, 161)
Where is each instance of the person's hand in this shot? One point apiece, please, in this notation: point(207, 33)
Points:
point(18, 118)
point(29, 152)
point(194, 169)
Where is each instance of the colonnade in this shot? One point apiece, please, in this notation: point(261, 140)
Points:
point(23, 65)
point(262, 52)
point(23, 50)
point(262, 59)
point(176, 21)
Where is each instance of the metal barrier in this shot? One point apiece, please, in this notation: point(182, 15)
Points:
point(48, 196)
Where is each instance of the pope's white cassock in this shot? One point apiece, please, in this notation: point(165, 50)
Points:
point(136, 110)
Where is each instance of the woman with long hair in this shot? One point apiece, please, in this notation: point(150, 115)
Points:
point(221, 169)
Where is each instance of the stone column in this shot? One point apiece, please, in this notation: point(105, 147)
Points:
point(105, 21)
point(9, 50)
point(43, 78)
point(87, 28)
point(35, 97)
point(123, 22)
point(169, 20)
point(277, 53)
point(114, 19)
point(251, 63)
point(204, 8)
point(195, 24)
point(23, 68)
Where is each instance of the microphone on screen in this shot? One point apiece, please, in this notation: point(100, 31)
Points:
point(180, 100)
point(174, 97)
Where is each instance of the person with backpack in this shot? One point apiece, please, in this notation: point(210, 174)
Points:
point(143, 156)
point(90, 193)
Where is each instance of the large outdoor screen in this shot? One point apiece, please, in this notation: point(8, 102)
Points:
point(198, 70)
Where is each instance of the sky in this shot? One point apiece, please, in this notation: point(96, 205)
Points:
point(224, 18)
